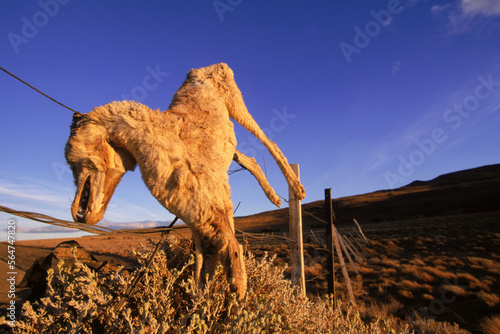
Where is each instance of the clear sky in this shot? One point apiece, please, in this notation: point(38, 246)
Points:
point(364, 95)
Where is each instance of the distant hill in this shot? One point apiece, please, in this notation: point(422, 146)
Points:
point(468, 191)
point(114, 226)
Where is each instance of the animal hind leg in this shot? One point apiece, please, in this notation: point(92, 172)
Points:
point(254, 168)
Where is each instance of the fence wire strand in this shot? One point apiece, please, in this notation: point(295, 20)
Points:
point(39, 91)
point(101, 230)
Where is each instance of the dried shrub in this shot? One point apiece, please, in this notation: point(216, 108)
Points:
point(387, 309)
point(429, 326)
point(79, 300)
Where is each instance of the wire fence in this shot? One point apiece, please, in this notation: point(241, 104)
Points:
point(350, 246)
point(101, 230)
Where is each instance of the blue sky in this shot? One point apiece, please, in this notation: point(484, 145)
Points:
point(364, 95)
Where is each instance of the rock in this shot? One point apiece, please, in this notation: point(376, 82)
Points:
point(36, 276)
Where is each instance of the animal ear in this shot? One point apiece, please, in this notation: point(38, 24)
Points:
point(74, 123)
point(192, 73)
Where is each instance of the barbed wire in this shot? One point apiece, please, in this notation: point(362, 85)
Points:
point(101, 230)
point(317, 218)
point(39, 91)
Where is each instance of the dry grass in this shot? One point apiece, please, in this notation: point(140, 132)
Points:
point(492, 266)
point(439, 273)
point(314, 270)
point(457, 290)
point(406, 294)
point(388, 271)
point(491, 325)
point(384, 310)
point(472, 282)
point(417, 262)
point(427, 296)
point(391, 263)
point(367, 270)
point(490, 299)
point(409, 285)
point(447, 274)
point(417, 272)
point(455, 262)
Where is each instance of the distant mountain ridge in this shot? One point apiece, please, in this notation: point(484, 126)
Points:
point(484, 173)
point(467, 191)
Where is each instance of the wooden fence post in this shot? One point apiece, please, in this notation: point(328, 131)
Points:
point(329, 241)
point(297, 245)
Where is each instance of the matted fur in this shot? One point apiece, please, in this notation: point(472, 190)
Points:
point(184, 154)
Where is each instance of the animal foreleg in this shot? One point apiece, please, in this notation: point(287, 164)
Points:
point(222, 241)
point(234, 266)
point(254, 168)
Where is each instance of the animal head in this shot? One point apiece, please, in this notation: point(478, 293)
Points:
point(97, 166)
